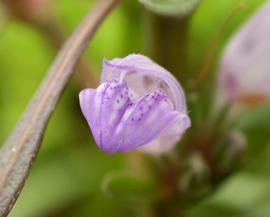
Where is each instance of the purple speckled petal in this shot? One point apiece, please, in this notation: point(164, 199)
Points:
point(119, 123)
point(145, 76)
point(103, 109)
point(138, 104)
point(245, 65)
point(146, 119)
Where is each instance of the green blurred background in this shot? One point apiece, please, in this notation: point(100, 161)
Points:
point(67, 176)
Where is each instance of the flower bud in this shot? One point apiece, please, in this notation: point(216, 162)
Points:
point(195, 176)
point(138, 104)
point(229, 153)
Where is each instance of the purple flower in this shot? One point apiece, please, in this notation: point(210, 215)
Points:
point(138, 104)
point(245, 65)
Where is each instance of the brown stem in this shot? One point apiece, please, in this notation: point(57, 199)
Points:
point(18, 153)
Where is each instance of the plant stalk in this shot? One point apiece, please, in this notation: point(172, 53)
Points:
point(167, 43)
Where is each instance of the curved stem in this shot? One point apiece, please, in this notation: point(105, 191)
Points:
point(20, 150)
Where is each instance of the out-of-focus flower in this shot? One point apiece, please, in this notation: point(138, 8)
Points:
point(138, 103)
point(245, 64)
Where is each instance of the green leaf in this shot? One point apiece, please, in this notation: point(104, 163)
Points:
point(171, 7)
point(129, 187)
point(243, 191)
point(255, 119)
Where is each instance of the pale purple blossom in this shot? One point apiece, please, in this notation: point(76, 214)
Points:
point(245, 63)
point(138, 104)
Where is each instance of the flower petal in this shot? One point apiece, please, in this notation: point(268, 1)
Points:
point(145, 120)
point(103, 109)
point(119, 123)
point(143, 77)
point(169, 137)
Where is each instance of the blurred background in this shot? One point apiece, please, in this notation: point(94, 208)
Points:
point(70, 172)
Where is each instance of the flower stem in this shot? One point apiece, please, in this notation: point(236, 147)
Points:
point(167, 42)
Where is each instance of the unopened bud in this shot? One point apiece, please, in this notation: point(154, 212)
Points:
point(195, 176)
point(229, 153)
